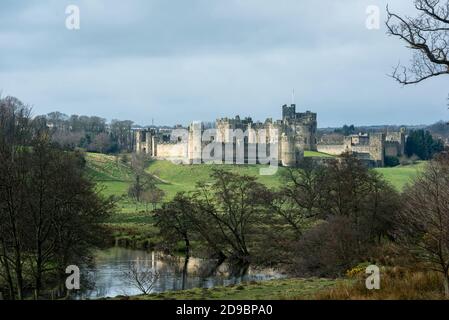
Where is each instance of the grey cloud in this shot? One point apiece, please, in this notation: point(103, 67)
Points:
point(177, 60)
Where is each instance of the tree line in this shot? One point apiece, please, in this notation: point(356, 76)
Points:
point(89, 133)
point(50, 211)
point(422, 144)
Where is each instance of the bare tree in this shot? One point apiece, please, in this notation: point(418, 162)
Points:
point(298, 200)
point(141, 276)
point(427, 35)
point(233, 205)
point(423, 223)
point(154, 196)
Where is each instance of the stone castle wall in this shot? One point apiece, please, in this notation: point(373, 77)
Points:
point(292, 135)
point(374, 147)
point(173, 151)
point(333, 149)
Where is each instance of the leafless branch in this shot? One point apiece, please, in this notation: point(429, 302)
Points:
point(141, 276)
point(427, 35)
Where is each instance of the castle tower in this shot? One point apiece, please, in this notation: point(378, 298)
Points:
point(138, 141)
point(299, 155)
point(288, 151)
point(148, 143)
point(251, 148)
point(153, 146)
point(288, 112)
point(377, 148)
point(194, 144)
point(402, 141)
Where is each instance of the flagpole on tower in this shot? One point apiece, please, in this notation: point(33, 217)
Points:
point(293, 96)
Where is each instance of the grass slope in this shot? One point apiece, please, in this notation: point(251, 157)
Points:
point(178, 178)
point(131, 225)
point(401, 175)
point(114, 177)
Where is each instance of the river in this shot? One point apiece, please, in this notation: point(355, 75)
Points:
point(108, 280)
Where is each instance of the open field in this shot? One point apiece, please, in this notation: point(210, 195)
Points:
point(285, 289)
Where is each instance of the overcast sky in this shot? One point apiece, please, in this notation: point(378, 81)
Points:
point(175, 61)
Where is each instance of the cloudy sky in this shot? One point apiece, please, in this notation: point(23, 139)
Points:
point(180, 60)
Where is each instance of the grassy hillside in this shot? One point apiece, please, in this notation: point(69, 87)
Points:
point(175, 178)
point(114, 177)
point(401, 175)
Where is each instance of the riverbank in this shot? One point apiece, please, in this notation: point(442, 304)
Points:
point(281, 289)
point(396, 284)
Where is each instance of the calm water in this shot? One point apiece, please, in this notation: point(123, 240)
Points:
point(174, 274)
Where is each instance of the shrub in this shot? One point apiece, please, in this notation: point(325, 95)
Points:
point(405, 161)
point(328, 249)
point(391, 161)
point(395, 284)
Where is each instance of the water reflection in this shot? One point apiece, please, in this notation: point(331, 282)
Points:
point(175, 273)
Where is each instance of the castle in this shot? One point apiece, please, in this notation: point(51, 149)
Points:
point(243, 141)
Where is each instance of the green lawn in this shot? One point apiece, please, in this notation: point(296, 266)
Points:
point(285, 289)
point(315, 154)
point(401, 175)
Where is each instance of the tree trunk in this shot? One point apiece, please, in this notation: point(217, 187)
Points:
point(187, 250)
point(446, 285)
point(19, 274)
point(38, 282)
point(8, 275)
point(185, 272)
